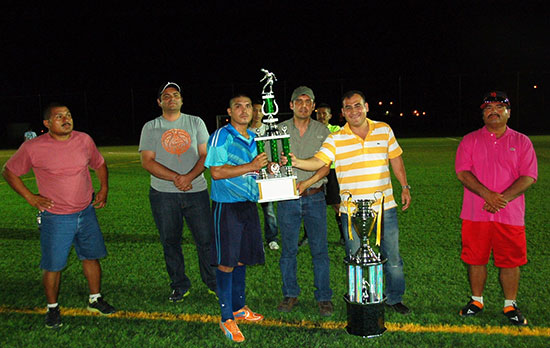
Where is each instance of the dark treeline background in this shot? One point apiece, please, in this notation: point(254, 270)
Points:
point(107, 63)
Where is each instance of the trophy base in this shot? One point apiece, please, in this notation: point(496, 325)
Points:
point(277, 189)
point(365, 320)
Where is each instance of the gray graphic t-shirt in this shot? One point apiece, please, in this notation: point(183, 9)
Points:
point(175, 145)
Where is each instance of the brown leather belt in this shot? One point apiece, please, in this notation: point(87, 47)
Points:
point(311, 191)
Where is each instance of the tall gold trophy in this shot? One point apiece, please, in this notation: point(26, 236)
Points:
point(275, 184)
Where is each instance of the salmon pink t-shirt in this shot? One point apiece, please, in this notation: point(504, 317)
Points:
point(60, 168)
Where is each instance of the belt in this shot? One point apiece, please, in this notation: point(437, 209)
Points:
point(311, 191)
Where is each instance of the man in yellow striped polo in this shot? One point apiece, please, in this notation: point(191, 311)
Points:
point(362, 152)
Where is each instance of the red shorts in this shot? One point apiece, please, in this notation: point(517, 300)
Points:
point(506, 241)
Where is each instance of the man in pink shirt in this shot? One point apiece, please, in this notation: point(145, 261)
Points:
point(496, 165)
point(60, 161)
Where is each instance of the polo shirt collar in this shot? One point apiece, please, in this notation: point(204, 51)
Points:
point(487, 133)
point(294, 125)
point(346, 129)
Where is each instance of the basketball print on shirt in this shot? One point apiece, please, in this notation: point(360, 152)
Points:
point(176, 141)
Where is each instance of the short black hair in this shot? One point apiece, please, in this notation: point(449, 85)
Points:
point(257, 101)
point(239, 95)
point(324, 105)
point(350, 94)
point(49, 108)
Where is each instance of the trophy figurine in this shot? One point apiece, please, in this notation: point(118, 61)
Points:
point(365, 296)
point(275, 184)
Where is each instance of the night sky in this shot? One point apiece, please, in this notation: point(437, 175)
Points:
point(55, 51)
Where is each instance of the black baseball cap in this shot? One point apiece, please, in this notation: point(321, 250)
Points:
point(495, 97)
point(166, 85)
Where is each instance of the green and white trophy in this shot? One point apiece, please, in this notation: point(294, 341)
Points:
point(275, 184)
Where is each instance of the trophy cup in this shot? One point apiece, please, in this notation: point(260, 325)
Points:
point(365, 296)
point(277, 184)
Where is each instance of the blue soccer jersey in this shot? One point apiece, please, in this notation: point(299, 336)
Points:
point(227, 146)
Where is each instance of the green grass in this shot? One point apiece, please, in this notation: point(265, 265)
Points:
point(135, 280)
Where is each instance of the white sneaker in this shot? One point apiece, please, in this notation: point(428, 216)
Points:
point(273, 245)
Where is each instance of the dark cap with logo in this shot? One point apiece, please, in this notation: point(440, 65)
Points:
point(495, 97)
point(166, 85)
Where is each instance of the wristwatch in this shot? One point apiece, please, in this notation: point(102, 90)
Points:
point(406, 187)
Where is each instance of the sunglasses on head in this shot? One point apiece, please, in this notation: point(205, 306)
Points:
point(496, 100)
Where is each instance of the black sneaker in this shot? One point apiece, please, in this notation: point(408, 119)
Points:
point(53, 318)
point(472, 308)
point(514, 316)
point(178, 295)
point(101, 306)
point(400, 308)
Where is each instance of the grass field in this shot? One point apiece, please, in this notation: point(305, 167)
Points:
point(135, 280)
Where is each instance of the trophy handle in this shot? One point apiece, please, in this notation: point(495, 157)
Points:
point(379, 219)
point(349, 206)
point(276, 107)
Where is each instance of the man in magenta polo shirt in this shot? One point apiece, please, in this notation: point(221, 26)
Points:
point(60, 160)
point(496, 165)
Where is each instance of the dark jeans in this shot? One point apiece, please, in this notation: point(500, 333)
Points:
point(270, 222)
point(169, 210)
point(313, 211)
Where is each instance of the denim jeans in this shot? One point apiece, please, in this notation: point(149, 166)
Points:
point(270, 222)
point(313, 211)
point(169, 210)
point(389, 248)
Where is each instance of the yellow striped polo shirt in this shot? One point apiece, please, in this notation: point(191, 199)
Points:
point(362, 166)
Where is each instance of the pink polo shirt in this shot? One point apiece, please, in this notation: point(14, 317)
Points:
point(60, 168)
point(496, 163)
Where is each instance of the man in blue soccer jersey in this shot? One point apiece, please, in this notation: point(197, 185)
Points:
point(234, 161)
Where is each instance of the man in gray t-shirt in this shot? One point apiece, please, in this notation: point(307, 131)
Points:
point(173, 150)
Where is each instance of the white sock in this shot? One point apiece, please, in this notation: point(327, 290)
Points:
point(94, 297)
point(509, 303)
point(52, 305)
point(478, 299)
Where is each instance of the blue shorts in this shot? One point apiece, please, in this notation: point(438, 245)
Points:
point(58, 232)
point(237, 234)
